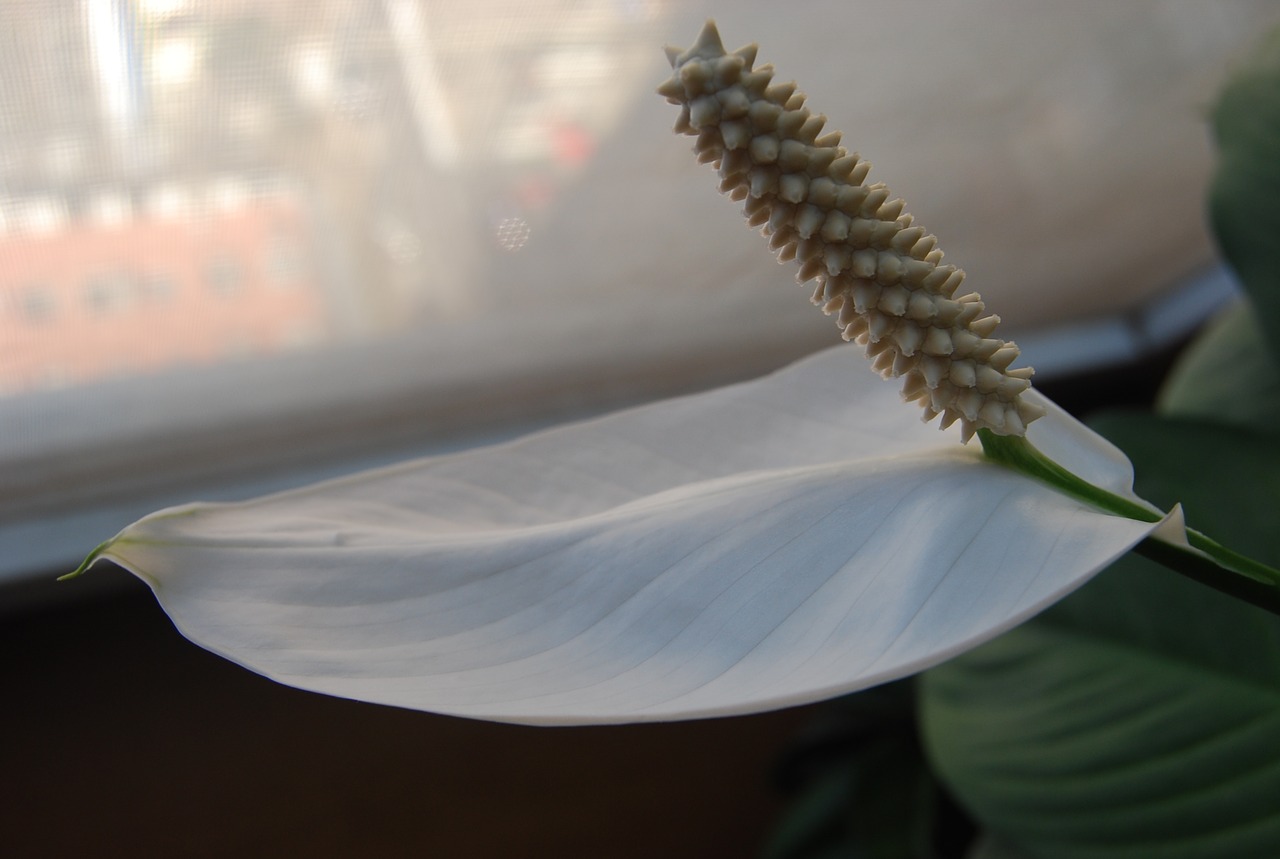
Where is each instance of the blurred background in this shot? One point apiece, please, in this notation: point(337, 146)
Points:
point(244, 246)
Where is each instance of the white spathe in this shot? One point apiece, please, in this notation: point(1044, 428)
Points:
point(762, 545)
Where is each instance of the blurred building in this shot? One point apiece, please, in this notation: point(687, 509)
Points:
point(194, 181)
point(186, 280)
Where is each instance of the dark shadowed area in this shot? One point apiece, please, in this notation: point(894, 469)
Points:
point(127, 740)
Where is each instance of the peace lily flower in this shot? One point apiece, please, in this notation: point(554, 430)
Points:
point(763, 545)
point(767, 544)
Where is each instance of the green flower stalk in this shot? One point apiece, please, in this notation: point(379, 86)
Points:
point(878, 272)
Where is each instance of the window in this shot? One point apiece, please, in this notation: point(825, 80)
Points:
point(105, 294)
point(36, 304)
point(243, 245)
point(224, 276)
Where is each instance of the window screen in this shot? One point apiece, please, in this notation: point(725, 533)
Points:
point(240, 242)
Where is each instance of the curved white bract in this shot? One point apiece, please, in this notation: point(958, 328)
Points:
point(762, 545)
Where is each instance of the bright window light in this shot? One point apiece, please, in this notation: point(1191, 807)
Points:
point(243, 244)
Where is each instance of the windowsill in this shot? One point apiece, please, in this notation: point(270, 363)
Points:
point(90, 481)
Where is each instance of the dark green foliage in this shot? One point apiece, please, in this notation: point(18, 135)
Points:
point(862, 786)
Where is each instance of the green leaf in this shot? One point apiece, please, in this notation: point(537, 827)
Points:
point(860, 783)
point(992, 846)
point(1140, 716)
point(1227, 375)
point(1243, 200)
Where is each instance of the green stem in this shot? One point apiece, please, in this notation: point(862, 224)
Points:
point(1204, 560)
point(89, 561)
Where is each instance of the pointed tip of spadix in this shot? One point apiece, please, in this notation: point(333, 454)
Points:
point(707, 47)
point(708, 43)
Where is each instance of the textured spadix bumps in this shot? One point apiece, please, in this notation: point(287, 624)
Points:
point(874, 267)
